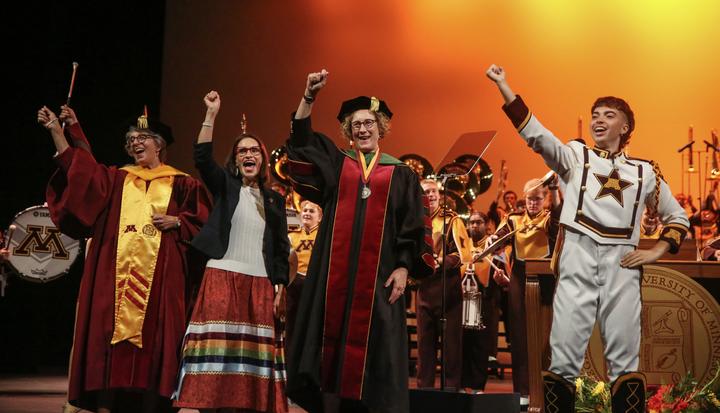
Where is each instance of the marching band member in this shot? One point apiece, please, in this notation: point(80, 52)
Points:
point(302, 242)
point(535, 231)
point(480, 344)
point(599, 277)
point(429, 295)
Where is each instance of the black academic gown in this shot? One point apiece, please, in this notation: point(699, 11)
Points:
point(349, 340)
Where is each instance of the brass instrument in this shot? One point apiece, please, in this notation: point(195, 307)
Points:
point(463, 189)
point(456, 203)
point(502, 182)
point(278, 165)
point(482, 172)
point(460, 184)
point(419, 165)
point(279, 170)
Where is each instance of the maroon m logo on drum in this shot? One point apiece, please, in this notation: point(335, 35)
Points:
point(34, 242)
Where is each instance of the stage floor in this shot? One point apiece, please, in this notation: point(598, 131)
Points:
point(46, 394)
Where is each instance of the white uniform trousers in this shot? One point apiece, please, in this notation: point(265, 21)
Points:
point(593, 285)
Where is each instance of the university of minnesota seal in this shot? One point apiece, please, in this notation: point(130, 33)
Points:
point(680, 330)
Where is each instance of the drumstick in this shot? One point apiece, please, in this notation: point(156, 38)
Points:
point(72, 85)
point(72, 82)
point(492, 264)
point(9, 235)
point(496, 268)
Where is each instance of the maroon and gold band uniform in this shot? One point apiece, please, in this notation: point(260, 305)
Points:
point(478, 345)
point(428, 304)
point(301, 242)
point(534, 238)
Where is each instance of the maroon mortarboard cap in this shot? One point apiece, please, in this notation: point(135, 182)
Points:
point(363, 102)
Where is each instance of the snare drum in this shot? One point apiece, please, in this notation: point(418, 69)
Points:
point(472, 318)
point(39, 252)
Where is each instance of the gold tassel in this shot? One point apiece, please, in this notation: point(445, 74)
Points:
point(374, 104)
point(652, 209)
point(142, 121)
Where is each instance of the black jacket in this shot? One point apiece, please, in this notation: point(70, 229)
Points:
point(213, 238)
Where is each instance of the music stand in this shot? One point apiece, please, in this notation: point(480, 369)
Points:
point(466, 143)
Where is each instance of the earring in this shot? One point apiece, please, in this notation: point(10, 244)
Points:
point(237, 171)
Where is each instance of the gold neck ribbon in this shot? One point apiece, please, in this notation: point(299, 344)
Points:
point(138, 246)
point(367, 168)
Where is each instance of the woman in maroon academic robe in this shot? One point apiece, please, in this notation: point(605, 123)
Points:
point(131, 310)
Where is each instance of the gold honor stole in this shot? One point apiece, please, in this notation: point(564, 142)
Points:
point(138, 246)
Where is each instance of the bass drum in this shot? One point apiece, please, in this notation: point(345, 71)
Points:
point(39, 252)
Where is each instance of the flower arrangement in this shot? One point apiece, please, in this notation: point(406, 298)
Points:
point(687, 396)
point(592, 396)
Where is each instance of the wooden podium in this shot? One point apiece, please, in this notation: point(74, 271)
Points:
point(539, 291)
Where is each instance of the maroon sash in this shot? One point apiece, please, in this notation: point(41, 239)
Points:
point(354, 352)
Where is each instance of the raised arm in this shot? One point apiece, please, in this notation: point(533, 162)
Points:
point(314, 159)
point(212, 103)
point(210, 172)
point(73, 130)
point(50, 121)
point(497, 75)
point(315, 82)
point(557, 155)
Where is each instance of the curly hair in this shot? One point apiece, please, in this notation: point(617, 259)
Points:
point(621, 105)
point(383, 124)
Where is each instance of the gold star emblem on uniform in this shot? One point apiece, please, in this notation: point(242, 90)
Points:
point(674, 235)
point(612, 185)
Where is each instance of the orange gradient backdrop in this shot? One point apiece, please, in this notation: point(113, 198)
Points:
point(427, 59)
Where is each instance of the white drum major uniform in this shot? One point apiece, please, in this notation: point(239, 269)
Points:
point(599, 267)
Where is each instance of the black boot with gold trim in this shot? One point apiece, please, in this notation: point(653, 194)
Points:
point(628, 393)
point(559, 393)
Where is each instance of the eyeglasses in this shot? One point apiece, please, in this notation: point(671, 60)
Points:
point(138, 139)
point(368, 123)
point(253, 150)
